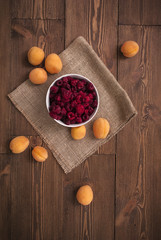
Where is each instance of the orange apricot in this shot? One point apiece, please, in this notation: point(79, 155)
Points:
point(35, 55)
point(40, 154)
point(130, 48)
point(19, 144)
point(101, 128)
point(78, 133)
point(53, 63)
point(84, 195)
point(38, 76)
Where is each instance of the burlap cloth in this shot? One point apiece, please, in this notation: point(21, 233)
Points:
point(115, 105)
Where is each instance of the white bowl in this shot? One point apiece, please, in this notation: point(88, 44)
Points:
point(79, 77)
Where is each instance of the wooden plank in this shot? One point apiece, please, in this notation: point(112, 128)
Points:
point(36, 180)
point(95, 221)
point(4, 73)
point(21, 196)
point(103, 179)
point(96, 21)
point(145, 12)
point(138, 146)
point(5, 187)
point(131, 74)
point(47, 34)
point(38, 9)
point(52, 187)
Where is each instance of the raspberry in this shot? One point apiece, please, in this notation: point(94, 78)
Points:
point(55, 116)
point(56, 109)
point(85, 118)
point(94, 104)
point(59, 83)
point(90, 87)
point(79, 98)
point(90, 110)
point(51, 95)
point(80, 85)
point(85, 105)
point(63, 111)
point(90, 95)
point(79, 120)
point(54, 89)
point(67, 121)
point(68, 107)
point(61, 104)
point(80, 109)
point(84, 89)
point(74, 104)
point(84, 81)
point(74, 93)
point(71, 116)
point(59, 117)
point(66, 85)
point(58, 98)
point(86, 99)
point(65, 79)
point(66, 94)
point(70, 78)
point(74, 82)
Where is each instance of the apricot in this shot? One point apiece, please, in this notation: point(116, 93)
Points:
point(78, 133)
point(40, 154)
point(130, 48)
point(53, 63)
point(35, 55)
point(19, 144)
point(38, 76)
point(101, 128)
point(85, 195)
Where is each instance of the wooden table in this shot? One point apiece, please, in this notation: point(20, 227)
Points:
point(37, 201)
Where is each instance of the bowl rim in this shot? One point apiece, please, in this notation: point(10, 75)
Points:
point(79, 77)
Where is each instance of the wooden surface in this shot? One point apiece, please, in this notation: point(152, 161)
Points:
point(37, 201)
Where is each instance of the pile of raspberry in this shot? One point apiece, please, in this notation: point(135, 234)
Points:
point(72, 100)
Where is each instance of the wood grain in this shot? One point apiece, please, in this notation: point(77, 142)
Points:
point(138, 145)
point(21, 195)
point(49, 35)
point(5, 201)
point(38, 9)
point(5, 43)
point(145, 12)
point(103, 178)
point(96, 21)
point(53, 197)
